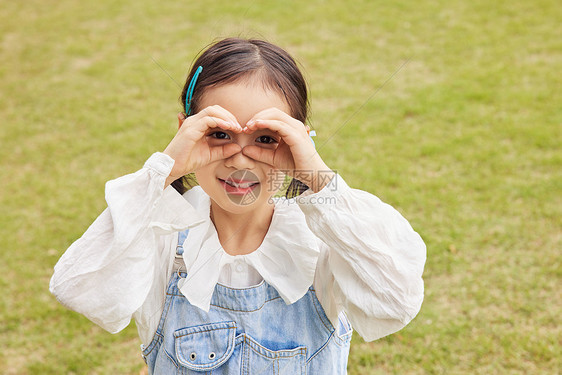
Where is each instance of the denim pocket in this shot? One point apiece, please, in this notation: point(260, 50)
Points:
point(274, 362)
point(205, 347)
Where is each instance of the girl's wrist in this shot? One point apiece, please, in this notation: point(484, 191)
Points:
point(317, 177)
point(321, 179)
point(169, 181)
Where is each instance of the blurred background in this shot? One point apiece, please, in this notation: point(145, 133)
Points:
point(447, 110)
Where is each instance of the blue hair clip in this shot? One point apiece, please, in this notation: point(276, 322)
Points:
point(190, 89)
point(312, 133)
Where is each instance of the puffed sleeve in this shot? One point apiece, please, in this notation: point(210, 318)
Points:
point(108, 273)
point(371, 262)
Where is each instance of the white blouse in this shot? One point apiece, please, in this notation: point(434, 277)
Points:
point(360, 254)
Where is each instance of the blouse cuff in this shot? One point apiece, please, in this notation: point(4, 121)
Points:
point(309, 200)
point(173, 212)
point(160, 163)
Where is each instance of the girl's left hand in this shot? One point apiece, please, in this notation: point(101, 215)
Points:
point(295, 154)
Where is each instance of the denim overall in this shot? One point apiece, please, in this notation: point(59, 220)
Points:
point(246, 331)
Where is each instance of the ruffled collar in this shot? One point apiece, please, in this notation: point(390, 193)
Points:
point(286, 259)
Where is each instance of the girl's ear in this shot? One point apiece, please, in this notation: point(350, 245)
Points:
point(181, 119)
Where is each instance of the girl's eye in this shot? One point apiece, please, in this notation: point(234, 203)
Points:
point(266, 139)
point(219, 135)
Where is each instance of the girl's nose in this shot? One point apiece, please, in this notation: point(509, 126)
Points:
point(239, 160)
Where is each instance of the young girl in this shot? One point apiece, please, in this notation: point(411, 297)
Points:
point(226, 277)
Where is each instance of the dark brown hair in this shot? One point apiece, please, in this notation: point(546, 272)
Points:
point(234, 59)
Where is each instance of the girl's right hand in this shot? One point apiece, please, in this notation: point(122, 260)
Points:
point(190, 149)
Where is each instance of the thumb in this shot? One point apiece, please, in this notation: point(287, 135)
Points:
point(224, 151)
point(259, 154)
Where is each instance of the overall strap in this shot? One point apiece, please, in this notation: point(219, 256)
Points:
point(181, 239)
point(178, 261)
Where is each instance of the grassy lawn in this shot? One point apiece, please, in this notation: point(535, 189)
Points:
point(465, 140)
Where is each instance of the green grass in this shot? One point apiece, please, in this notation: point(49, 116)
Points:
point(464, 140)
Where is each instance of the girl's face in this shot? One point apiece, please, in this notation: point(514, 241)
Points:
point(239, 184)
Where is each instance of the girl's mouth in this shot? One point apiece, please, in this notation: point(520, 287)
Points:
point(240, 187)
